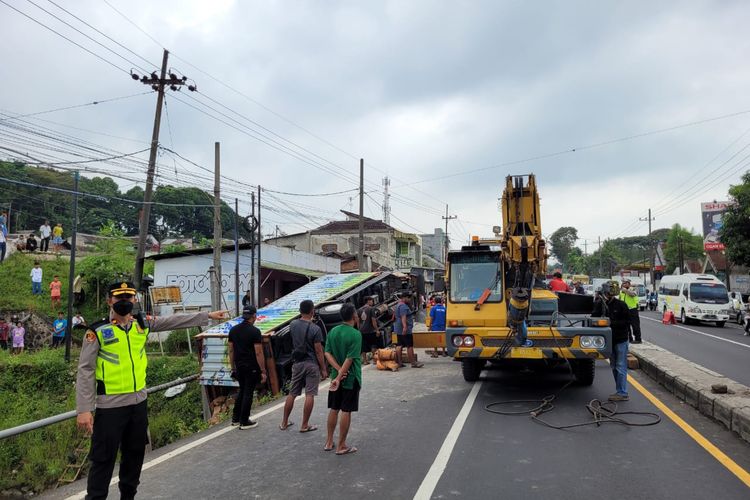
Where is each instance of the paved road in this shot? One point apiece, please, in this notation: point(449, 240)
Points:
point(723, 350)
point(406, 418)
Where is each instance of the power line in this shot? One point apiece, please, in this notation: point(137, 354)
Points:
point(309, 194)
point(84, 34)
point(92, 103)
point(104, 34)
point(161, 46)
point(65, 37)
point(585, 147)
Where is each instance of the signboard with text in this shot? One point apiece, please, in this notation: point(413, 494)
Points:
point(712, 214)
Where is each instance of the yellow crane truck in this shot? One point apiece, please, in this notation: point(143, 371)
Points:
point(498, 308)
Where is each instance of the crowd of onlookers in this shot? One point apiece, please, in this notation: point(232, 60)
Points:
point(29, 243)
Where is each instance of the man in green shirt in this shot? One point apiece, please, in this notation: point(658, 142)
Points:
point(343, 347)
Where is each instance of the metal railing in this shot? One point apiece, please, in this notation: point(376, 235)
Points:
point(38, 424)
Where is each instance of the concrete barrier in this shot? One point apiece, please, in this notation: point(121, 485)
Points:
point(692, 383)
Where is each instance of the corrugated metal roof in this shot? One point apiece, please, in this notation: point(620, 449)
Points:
point(292, 269)
point(215, 366)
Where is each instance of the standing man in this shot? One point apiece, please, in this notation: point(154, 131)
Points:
point(368, 328)
point(403, 326)
point(112, 380)
point(58, 332)
point(308, 368)
point(437, 321)
point(4, 333)
point(607, 305)
point(247, 299)
point(343, 346)
point(78, 294)
point(630, 297)
point(45, 232)
point(557, 284)
point(248, 365)
point(36, 279)
point(3, 242)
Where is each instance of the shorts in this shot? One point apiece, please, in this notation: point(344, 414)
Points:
point(344, 399)
point(305, 374)
point(17, 344)
point(57, 240)
point(369, 341)
point(405, 340)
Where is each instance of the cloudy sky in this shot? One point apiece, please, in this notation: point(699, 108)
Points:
point(615, 106)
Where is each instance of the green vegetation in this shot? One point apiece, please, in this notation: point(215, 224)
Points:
point(614, 253)
point(41, 384)
point(692, 246)
point(32, 205)
point(736, 223)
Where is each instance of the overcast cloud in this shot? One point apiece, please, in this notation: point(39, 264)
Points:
point(421, 90)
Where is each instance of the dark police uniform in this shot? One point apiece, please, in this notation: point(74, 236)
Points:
point(111, 380)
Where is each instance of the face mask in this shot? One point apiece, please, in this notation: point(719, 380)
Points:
point(122, 307)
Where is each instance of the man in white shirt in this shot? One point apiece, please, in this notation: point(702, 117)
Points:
point(45, 231)
point(2, 242)
point(36, 279)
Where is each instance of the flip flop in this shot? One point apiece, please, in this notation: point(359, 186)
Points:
point(282, 428)
point(328, 449)
point(310, 428)
point(351, 449)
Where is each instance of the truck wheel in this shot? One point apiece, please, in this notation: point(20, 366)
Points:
point(471, 368)
point(684, 319)
point(584, 371)
point(720, 324)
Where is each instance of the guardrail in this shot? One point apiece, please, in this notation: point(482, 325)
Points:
point(38, 424)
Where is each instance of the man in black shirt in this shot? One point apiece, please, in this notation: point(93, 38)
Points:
point(607, 304)
point(368, 327)
point(248, 365)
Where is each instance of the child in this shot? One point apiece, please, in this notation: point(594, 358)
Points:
point(59, 325)
point(36, 279)
point(55, 292)
point(18, 333)
point(57, 239)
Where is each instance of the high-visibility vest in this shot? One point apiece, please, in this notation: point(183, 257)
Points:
point(121, 363)
point(631, 302)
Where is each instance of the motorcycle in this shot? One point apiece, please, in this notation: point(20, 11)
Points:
point(652, 303)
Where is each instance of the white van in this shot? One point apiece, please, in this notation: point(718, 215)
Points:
point(695, 297)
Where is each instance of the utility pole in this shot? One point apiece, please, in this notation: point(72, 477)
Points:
point(72, 271)
point(447, 241)
point(236, 258)
point(157, 83)
point(601, 267)
point(386, 201)
point(361, 250)
point(258, 264)
point(253, 242)
point(216, 302)
point(651, 263)
point(680, 254)
point(585, 247)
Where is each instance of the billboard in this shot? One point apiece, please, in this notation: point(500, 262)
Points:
point(712, 214)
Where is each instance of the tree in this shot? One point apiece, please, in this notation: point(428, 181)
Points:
point(563, 240)
point(692, 246)
point(735, 231)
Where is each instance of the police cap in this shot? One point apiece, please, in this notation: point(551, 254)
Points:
point(121, 288)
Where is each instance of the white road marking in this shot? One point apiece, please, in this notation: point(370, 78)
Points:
point(430, 480)
point(702, 333)
point(190, 446)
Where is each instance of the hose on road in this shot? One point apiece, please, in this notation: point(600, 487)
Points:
point(602, 412)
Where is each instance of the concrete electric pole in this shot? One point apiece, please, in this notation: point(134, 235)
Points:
point(447, 242)
point(158, 83)
point(361, 250)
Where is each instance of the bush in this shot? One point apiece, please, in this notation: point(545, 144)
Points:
point(177, 342)
point(40, 384)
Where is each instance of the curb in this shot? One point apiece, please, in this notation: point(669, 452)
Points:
point(692, 383)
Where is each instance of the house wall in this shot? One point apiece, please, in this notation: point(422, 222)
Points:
point(190, 272)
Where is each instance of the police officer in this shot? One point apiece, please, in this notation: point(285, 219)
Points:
point(630, 297)
point(112, 379)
